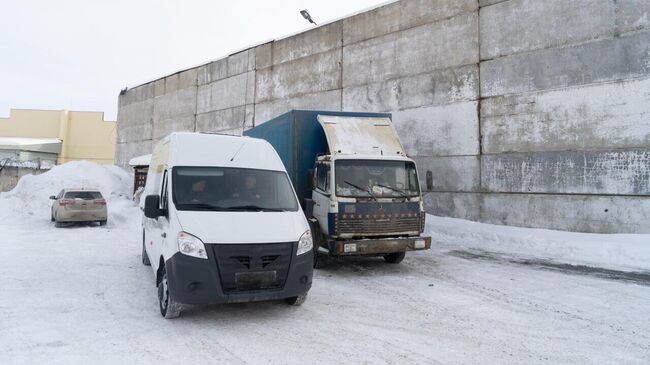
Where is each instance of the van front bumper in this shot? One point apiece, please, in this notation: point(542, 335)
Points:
point(199, 281)
point(378, 246)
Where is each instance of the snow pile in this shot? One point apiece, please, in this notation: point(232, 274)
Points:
point(30, 197)
point(627, 252)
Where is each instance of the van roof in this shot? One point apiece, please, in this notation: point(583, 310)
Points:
point(204, 149)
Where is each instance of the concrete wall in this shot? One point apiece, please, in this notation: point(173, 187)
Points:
point(529, 113)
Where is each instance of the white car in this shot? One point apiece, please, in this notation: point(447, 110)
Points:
point(223, 224)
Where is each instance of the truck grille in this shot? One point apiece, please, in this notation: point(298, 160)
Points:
point(251, 267)
point(375, 226)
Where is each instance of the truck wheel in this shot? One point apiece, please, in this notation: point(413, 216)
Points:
point(395, 257)
point(297, 301)
point(145, 258)
point(320, 260)
point(169, 308)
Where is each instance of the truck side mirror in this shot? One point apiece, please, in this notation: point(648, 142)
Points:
point(52, 197)
point(310, 178)
point(152, 206)
point(429, 181)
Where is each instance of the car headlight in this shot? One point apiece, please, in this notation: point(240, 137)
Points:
point(305, 243)
point(191, 246)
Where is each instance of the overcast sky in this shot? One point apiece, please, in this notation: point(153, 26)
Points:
point(78, 54)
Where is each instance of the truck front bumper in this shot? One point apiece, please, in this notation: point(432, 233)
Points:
point(377, 246)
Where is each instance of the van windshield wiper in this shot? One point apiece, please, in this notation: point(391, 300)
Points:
point(255, 208)
point(360, 188)
point(400, 191)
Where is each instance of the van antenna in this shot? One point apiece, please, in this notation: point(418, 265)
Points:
point(237, 152)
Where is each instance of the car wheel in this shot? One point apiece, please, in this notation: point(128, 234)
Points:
point(58, 224)
point(395, 257)
point(102, 223)
point(297, 301)
point(169, 308)
point(145, 258)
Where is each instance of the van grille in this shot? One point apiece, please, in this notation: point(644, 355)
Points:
point(251, 267)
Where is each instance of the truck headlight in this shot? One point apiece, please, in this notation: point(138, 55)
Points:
point(305, 243)
point(191, 246)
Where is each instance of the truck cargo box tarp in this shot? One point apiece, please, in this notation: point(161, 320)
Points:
point(362, 136)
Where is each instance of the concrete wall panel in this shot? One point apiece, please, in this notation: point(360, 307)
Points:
point(611, 115)
point(583, 172)
point(444, 44)
point(580, 213)
point(181, 103)
point(440, 130)
point(458, 205)
point(530, 31)
point(317, 73)
point(161, 128)
point(317, 40)
point(599, 61)
point(329, 100)
point(224, 120)
point(450, 174)
point(436, 88)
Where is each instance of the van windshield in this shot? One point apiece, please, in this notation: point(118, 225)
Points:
point(232, 189)
point(376, 179)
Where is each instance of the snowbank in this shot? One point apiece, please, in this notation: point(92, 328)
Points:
point(627, 252)
point(30, 197)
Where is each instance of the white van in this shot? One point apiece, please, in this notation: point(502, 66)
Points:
point(222, 224)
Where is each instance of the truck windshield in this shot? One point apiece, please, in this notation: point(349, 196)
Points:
point(376, 178)
point(232, 189)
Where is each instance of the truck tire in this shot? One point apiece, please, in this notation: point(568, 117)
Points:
point(297, 301)
point(145, 258)
point(395, 257)
point(169, 308)
point(320, 260)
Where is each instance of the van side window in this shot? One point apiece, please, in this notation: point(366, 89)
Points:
point(163, 192)
point(322, 177)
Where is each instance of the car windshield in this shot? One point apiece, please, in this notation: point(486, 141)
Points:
point(232, 189)
point(85, 195)
point(376, 178)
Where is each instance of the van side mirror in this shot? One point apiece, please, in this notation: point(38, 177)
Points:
point(152, 207)
point(52, 197)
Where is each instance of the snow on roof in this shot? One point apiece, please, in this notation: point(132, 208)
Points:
point(143, 160)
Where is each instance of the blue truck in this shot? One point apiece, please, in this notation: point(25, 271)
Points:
point(358, 189)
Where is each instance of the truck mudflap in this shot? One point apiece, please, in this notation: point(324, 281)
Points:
point(377, 246)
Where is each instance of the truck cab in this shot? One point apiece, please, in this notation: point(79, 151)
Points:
point(360, 191)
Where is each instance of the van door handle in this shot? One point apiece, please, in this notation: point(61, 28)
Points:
point(164, 235)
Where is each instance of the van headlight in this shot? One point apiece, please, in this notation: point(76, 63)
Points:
point(191, 246)
point(305, 243)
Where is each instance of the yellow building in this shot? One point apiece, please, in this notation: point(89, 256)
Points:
point(82, 135)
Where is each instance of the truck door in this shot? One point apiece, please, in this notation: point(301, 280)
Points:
point(321, 194)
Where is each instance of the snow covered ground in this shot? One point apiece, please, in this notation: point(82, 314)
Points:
point(81, 295)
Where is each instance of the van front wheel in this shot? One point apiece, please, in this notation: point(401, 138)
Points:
point(296, 301)
point(169, 308)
